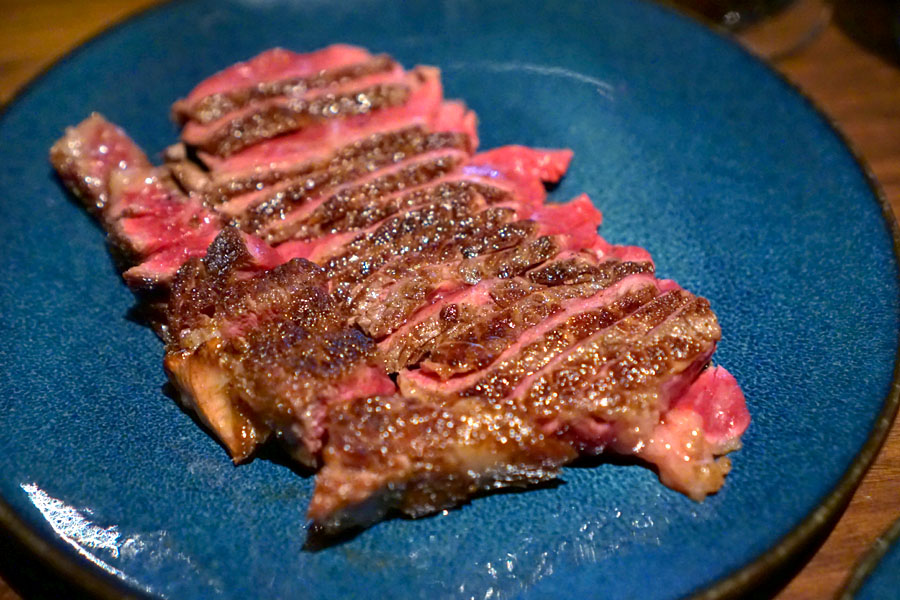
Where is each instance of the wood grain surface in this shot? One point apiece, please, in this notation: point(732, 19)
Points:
point(851, 70)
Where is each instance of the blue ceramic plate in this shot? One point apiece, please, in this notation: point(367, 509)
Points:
point(690, 147)
point(877, 575)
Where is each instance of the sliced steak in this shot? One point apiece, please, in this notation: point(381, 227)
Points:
point(450, 220)
point(420, 275)
point(424, 106)
point(539, 345)
point(383, 307)
point(291, 134)
point(383, 195)
point(215, 106)
point(348, 212)
point(616, 387)
point(477, 342)
point(150, 222)
point(279, 114)
point(147, 214)
point(274, 118)
point(279, 212)
point(359, 158)
point(86, 156)
point(396, 453)
point(268, 343)
point(339, 272)
point(267, 68)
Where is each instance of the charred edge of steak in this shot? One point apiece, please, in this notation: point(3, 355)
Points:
point(429, 457)
point(279, 207)
point(259, 351)
point(273, 120)
point(216, 106)
point(287, 368)
point(204, 386)
point(215, 293)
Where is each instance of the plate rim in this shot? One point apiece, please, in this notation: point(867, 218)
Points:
point(95, 581)
point(869, 562)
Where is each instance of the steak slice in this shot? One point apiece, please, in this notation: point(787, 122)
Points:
point(215, 106)
point(257, 351)
point(383, 306)
point(147, 214)
point(316, 128)
point(626, 386)
point(395, 453)
point(274, 118)
point(348, 212)
point(470, 325)
point(394, 290)
point(86, 156)
point(424, 107)
point(151, 224)
point(477, 342)
point(272, 67)
point(280, 214)
point(383, 195)
point(538, 346)
point(360, 157)
point(379, 227)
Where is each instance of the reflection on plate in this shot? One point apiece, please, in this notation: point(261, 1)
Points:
point(735, 184)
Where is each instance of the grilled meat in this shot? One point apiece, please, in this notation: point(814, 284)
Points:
point(341, 271)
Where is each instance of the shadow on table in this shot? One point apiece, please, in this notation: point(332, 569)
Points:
point(873, 24)
point(30, 578)
point(780, 578)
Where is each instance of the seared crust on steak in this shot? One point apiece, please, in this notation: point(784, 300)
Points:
point(276, 340)
point(428, 457)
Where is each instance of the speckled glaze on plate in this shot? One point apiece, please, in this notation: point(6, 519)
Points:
point(739, 188)
point(877, 574)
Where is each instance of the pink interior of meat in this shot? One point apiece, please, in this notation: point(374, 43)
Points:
point(524, 170)
point(452, 115)
point(718, 399)
point(136, 193)
point(161, 266)
point(578, 219)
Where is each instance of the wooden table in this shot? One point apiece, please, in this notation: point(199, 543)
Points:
point(857, 86)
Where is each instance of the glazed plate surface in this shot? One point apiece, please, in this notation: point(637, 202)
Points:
point(742, 192)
